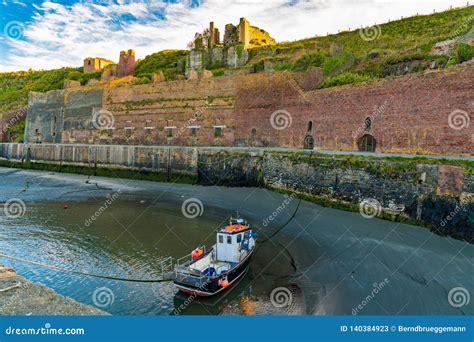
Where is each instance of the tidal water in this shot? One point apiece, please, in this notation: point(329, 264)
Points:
point(329, 261)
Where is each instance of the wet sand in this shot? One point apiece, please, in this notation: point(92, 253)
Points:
point(339, 262)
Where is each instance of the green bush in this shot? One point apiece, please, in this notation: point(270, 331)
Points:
point(17, 130)
point(465, 52)
point(142, 80)
point(312, 59)
point(218, 72)
point(15, 86)
point(171, 62)
point(337, 64)
point(216, 65)
point(345, 78)
point(90, 76)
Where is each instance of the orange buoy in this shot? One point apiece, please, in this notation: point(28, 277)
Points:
point(196, 254)
point(224, 282)
point(66, 206)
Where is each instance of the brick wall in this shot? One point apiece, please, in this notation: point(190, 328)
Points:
point(420, 113)
point(409, 114)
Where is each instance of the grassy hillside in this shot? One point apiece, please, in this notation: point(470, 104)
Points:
point(15, 86)
point(405, 42)
point(170, 62)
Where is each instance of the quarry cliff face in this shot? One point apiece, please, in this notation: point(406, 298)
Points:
point(410, 114)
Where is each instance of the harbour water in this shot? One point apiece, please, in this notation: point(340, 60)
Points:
point(324, 262)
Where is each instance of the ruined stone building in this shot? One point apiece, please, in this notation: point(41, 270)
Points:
point(95, 64)
point(125, 66)
point(232, 51)
point(243, 33)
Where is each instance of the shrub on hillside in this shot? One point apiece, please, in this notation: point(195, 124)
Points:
point(345, 78)
point(171, 62)
point(465, 52)
point(311, 59)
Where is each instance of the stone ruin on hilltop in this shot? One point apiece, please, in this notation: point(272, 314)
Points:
point(208, 51)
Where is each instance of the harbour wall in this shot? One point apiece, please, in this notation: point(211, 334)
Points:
point(437, 193)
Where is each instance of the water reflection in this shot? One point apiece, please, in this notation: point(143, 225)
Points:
point(129, 239)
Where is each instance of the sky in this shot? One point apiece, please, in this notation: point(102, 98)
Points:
point(41, 34)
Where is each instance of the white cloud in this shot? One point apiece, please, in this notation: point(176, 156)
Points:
point(61, 35)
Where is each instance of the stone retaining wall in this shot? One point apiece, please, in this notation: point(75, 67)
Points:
point(436, 193)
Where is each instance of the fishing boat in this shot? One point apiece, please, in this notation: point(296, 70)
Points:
point(206, 273)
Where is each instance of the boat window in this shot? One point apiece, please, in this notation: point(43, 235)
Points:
point(229, 239)
point(221, 239)
point(239, 238)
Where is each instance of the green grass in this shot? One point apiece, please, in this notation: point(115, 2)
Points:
point(15, 86)
point(18, 130)
point(345, 78)
point(171, 62)
point(397, 41)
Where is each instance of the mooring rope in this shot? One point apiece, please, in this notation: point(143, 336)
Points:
point(85, 273)
point(294, 212)
point(286, 223)
point(142, 280)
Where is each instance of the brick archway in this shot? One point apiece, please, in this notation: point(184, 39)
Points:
point(367, 143)
point(309, 142)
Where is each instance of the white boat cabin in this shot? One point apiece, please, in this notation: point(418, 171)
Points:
point(234, 243)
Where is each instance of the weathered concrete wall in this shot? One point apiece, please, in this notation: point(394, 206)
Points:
point(439, 195)
point(158, 158)
point(44, 117)
point(62, 115)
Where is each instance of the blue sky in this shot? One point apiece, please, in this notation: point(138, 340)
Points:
point(41, 34)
